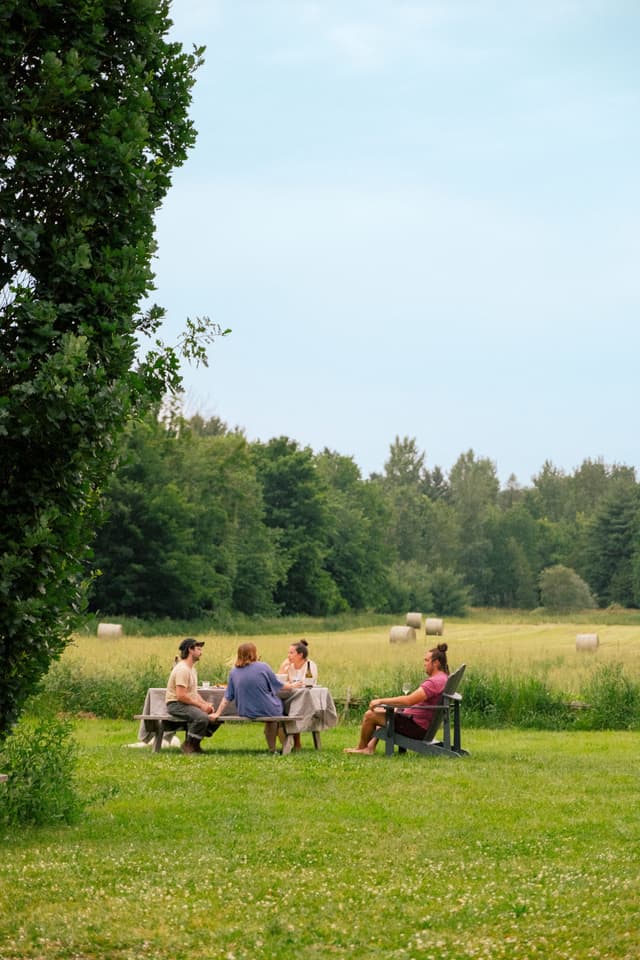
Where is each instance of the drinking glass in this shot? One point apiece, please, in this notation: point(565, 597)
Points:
point(406, 687)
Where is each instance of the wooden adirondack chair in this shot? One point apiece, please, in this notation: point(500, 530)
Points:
point(446, 713)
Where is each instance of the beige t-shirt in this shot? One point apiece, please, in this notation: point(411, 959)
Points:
point(181, 676)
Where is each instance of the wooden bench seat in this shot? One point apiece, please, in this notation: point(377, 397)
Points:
point(161, 723)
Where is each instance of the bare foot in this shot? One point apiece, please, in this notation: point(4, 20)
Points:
point(358, 750)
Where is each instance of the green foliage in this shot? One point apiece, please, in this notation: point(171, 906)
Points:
point(358, 553)
point(95, 117)
point(494, 700)
point(563, 591)
point(614, 542)
point(408, 587)
point(186, 533)
point(449, 595)
point(40, 757)
point(296, 508)
point(613, 701)
point(203, 524)
point(113, 694)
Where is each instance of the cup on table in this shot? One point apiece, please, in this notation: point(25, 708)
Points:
point(206, 683)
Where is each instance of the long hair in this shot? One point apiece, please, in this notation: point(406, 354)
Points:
point(247, 653)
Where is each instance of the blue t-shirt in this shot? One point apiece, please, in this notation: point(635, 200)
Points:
point(255, 690)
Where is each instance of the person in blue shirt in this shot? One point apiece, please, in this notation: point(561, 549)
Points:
point(254, 687)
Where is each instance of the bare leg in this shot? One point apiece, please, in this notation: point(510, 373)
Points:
point(367, 742)
point(270, 735)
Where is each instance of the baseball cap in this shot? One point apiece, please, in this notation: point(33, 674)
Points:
point(189, 643)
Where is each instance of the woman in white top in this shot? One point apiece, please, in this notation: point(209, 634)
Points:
point(295, 670)
point(297, 664)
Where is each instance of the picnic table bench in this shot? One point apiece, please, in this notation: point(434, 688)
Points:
point(161, 723)
point(310, 710)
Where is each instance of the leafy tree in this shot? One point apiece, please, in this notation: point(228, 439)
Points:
point(563, 591)
point(436, 484)
point(421, 527)
point(153, 556)
point(405, 466)
point(220, 478)
point(296, 508)
point(592, 481)
point(552, 496)
point(449, 595)
point(474, 490)
point(94, 103)
point(408, 588)
point(614, 541)
point(185, 533)
point(513, 559)
point(359, 552)
point(512, 494)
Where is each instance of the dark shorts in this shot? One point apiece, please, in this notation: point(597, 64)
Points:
point(408, 727)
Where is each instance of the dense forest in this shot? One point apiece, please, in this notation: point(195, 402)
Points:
point(199, 520)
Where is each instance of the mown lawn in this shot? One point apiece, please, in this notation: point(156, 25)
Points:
point(528, 848)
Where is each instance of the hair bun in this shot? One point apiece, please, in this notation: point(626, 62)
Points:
point(443, 647)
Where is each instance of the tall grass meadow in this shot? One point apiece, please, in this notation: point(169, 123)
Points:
point(525, 675)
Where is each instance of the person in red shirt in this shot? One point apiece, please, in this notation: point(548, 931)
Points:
point(413, 715)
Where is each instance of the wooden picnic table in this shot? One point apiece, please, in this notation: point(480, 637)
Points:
point(307, 710)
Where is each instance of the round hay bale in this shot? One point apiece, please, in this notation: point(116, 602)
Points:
point(434, 627)
point(587, 641)
point(414, 620)
point(108, 631)
point(402, 635)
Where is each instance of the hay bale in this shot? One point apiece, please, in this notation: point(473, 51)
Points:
point(587, 641)
point(414, 620)
point(402, 635)
point(108, 631)
point(434, 627)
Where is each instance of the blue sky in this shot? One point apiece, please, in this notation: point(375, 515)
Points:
point(419, 219)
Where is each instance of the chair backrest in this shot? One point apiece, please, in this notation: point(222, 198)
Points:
point(450, 687)
point(454, 680)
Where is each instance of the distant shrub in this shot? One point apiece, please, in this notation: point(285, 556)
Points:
point(450, 597)
point(40, 758)
point(563, 591)
point(407, 588)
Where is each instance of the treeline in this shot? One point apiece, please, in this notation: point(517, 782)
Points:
point(201, 521)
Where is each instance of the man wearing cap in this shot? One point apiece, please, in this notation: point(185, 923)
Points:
point(183, 700)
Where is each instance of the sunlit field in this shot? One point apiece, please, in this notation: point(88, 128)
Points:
point(359, 659)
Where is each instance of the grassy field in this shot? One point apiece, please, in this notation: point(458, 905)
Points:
point(514, 852)
point(360, 659)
